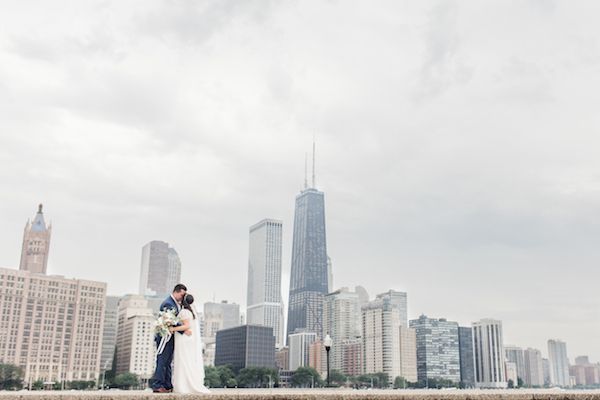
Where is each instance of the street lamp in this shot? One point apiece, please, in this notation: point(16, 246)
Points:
point(327, 342)
point(104, 373)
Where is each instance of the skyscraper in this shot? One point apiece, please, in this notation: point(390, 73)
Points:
point(265, 305)
point(36, 244)
point(534, 369)
point(516, 355)
point(559, 363)
point(408, 354)
point(309, 276)
point(381, 337)
point(399, 299)
point(160, 269)
point(109, 335)
point(341, 320)
point(438, 351)
point(488, 352)
point(467, 367)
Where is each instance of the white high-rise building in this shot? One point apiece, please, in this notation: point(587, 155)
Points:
point(559, 363)
point(534, 368)
point(511, 373)
point(515, 354)
point(381, 337)
point(341, 320)
point(408, 354)
point(265, 304)
point(488, 353)
point(399, 299)
point(160, 269)
point(135, 337)
point(299, 349)
point(217, 316)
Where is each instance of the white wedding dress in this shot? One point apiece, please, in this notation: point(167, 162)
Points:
point(188, 364)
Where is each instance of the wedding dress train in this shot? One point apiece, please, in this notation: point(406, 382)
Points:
point(188, 363)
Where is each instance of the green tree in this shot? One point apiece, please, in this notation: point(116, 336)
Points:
point(437, 383)
point(231, 383)
point(253, 377)
point(337, 378)
point(37, 385)
point(11, 377)
point(81, 385)
point(306, 377)
point(519, 382)
point(211, 377)
point(378, 380)
point(126, 380)
point(400, 383)
point(226, 376)
point(511, 384)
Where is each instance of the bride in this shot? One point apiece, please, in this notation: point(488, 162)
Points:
point(188, 368)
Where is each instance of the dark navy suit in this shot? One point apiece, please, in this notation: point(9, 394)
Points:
point(163, 373)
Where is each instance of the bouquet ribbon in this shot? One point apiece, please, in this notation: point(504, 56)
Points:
point(163, 343)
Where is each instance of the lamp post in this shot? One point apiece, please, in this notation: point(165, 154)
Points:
point(327, 342)
point(104, 373)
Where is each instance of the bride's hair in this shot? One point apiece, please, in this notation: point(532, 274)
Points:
point(188, 299)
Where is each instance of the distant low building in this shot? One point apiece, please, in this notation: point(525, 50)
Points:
point(135, 337)
point(245, 346)
point(299, 353)
point(282, 356)
point(511, 373)
point(534, 368)
point(352, 357)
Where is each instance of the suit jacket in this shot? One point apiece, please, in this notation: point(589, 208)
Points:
point(168, 304)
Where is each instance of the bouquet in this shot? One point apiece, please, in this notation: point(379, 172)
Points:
point(166, 319)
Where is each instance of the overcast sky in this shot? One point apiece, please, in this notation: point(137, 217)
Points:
point(457, 145)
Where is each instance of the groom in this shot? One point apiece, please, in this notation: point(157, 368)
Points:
point(161, 382)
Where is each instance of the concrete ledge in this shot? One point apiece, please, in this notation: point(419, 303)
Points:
point(316, 394)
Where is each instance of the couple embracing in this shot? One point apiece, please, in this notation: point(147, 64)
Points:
point(179, 362)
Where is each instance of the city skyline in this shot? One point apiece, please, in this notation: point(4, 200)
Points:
point(458, 158)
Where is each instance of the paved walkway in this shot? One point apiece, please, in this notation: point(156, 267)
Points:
point(313, 394)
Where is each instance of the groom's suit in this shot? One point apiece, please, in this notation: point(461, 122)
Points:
point(162, 374)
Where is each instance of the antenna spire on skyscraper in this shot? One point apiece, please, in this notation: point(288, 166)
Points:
point(314, 183)
point(305, 170)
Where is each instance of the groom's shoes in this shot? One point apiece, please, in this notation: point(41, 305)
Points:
point(162, 390)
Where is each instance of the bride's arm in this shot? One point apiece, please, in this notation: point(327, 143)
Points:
point(185, 325)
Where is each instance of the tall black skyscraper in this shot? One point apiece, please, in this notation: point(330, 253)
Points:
point(309, 277)
point(467, 367)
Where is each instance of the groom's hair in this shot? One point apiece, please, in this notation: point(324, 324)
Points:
point(179, 287)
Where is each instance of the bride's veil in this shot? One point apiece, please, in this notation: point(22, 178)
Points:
point(198, 333)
